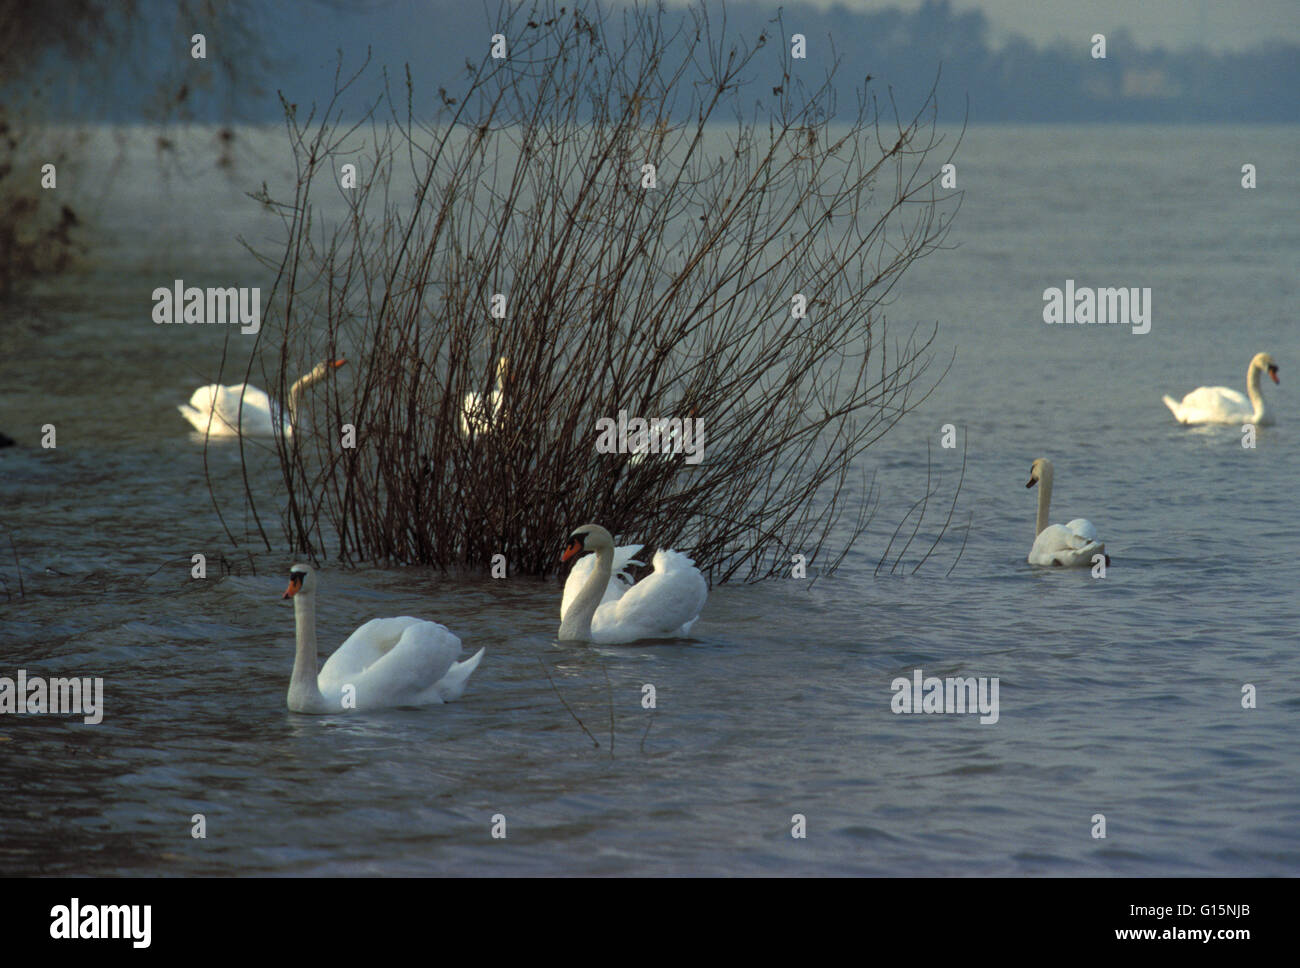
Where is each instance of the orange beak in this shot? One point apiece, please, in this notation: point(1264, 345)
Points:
point(294, 588)
point(571, 549)
point(337, 363)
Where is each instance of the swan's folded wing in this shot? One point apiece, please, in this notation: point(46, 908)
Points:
point(1084, 530)
point(1059, 545)
point(362, 649)
point(223, 404)
point(420, 660)
point(254, 399)
point(388, 660)
point(1210, 404)
point(1216, 396)
point(665, 602)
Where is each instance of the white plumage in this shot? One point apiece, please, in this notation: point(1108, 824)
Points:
point(481, 415)
point(601, 603)
point(387, 662)
point(1066, 545)
point(398, 662)
point(1223, 405)
point(215, 409)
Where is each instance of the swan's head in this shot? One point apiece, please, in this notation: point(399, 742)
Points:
point(590, 537)
point(326, 368)
point(302, 581)
point(1263, 361)
point(1039, 470)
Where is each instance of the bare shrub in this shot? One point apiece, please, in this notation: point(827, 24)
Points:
point(670, 301)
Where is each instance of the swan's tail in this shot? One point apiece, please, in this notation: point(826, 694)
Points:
point(452, 685)
point(1090, 551)
point(192, 416)
point(666, 560)
point(1173, 406)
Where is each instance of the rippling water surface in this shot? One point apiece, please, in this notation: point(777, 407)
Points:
point(1119, 696)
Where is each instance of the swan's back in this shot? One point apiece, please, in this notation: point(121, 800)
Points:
point(1083, 529)
point(1211, 405)
point(664, 604)
point(1067, 545)
point(394, 662)
point(220, 406)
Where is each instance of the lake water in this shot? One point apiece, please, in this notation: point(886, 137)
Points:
point(1119, 696)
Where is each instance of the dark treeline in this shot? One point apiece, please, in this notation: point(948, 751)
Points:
point(1012, 81)
point(1062, 82)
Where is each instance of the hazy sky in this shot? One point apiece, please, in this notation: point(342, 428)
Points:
point(1220, 24)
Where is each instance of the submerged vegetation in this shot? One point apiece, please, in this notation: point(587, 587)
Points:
point(637, 214)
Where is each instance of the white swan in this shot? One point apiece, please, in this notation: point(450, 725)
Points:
point(214, 409)
point(601, 607)
point(479, 416)
point(1222, 405)
point(387, 662)
point(1071, 544)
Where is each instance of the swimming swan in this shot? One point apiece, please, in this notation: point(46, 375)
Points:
point(1222, 405)
point(599, 606)
point(214, 409)
point(387, 662)
point(1071, 544)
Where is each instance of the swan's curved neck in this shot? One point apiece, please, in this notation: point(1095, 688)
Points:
point(295, 391)
point(1044, 502)
point(1252, 390)
point(576, 622)
point(304, 692)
